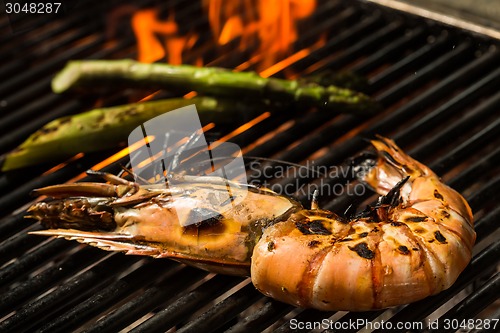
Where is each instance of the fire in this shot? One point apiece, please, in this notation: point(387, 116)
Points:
point(269, 24)
point(147, 26)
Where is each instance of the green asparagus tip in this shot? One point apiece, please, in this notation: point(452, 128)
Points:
point(66, 78)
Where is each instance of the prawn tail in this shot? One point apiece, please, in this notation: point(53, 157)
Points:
point(108, 241)
point(390, 167)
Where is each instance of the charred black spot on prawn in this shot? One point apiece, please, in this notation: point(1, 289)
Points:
point(209, 222)
point(403, 250)
point(445, 214)
point(397, 224)
point(438, 195)
point(439, 237)
point(318, 228)
point(313, 243)
point(348, 239)
point(315, 227)
point(302, 228)
point(363, 251)
point(410, 219)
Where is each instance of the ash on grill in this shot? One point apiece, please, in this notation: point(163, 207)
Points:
point(439, 88)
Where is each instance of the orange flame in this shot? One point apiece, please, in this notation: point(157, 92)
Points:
point(267, 26)
point(147, 26)
point(271, 24)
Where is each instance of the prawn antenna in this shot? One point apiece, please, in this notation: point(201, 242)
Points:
point(314, 201)
point(126, 168)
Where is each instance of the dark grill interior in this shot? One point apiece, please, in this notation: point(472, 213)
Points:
point(439, 89)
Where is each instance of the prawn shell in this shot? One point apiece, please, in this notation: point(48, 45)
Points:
point(394, 254)
point(329, 274)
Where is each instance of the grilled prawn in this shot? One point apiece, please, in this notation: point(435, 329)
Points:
point(413, 243)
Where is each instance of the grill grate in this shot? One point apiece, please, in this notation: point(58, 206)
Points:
point(439, 89)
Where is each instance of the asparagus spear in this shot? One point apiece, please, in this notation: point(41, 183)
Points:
point(349, 80)
point(106, 127)
point(210, 80)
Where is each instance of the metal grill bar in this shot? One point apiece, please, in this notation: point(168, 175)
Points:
point(476, 302)
point(364, 46)
point(66, 296)
point(261, 318)
point(111, 294)
point(18, 244)
point(187, 304)
point(32, 260)
point(47, 279)
point(152, 298)
point(410, 62)
point(224, 311)
point(486, 225)
point(390, 52)
point(481, 88)
point(397, 117)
